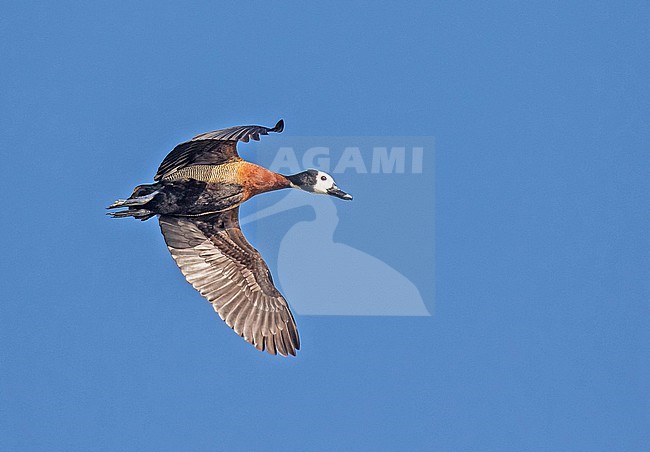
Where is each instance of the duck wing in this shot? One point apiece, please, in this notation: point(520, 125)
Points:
point(218, 261)
point(211, 148)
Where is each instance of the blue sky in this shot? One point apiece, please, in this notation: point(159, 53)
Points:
point(539, 334)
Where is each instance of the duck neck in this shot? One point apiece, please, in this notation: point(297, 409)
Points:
point(257, 179)
point(303, 180)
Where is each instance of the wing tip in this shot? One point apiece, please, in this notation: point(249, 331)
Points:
point(276, 344)
point(279, 126)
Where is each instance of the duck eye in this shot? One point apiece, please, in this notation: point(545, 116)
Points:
point(323, 178)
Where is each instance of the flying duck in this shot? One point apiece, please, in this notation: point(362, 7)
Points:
point(198, 190)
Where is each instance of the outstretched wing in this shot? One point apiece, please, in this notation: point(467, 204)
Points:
point(211, 148)
point(218, 261)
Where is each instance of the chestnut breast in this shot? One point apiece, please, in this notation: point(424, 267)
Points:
point(256, 179)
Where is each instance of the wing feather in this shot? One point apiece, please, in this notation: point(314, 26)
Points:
point(218, 261)
point(211, 148)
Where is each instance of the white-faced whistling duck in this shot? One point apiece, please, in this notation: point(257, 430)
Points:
point(199, 187)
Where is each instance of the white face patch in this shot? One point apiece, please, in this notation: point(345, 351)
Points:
point(324, 182)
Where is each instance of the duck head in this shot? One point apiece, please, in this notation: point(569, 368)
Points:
point(315, 181)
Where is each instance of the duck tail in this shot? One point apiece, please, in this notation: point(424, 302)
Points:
point(137, 203)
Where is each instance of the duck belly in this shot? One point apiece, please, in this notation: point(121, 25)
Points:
point(183, 197)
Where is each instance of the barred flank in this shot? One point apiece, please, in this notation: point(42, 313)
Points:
point(214, 174)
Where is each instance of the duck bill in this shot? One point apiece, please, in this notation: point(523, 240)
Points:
point(335, 191)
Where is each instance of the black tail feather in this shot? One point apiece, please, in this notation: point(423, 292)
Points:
point(137, 202)
point(140, 214)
